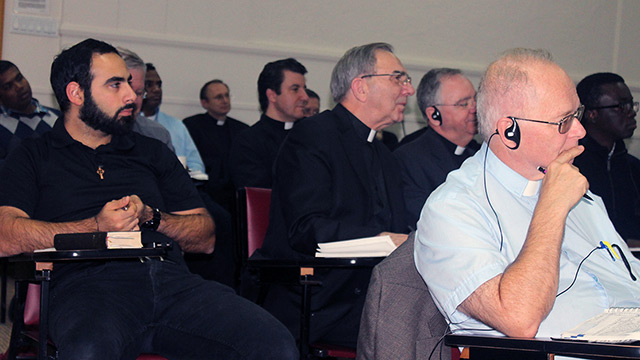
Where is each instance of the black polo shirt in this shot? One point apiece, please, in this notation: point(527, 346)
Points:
point(55, 178)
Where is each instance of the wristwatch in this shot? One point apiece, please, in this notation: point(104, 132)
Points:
point(154, 222)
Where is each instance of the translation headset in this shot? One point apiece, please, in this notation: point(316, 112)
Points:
point(513, 133)
point(436, 115)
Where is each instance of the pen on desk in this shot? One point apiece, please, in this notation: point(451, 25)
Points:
point(544, 171)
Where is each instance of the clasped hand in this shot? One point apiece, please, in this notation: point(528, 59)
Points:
point(122, 214)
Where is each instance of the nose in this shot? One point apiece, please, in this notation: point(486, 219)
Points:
point(130, 95)
point(577, 130)
point(304, 96)
point(408, 89)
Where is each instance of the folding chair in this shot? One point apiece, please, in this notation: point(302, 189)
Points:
point(29, 333)
point(253, 205)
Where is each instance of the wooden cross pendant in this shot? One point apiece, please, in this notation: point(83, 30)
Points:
point(100, 172)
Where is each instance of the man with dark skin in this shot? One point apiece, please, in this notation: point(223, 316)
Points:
point(609, 118)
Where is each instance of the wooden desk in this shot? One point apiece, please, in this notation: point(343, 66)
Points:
point(494, 347)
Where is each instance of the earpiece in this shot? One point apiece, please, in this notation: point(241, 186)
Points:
point(513, 133)
point(436, 115)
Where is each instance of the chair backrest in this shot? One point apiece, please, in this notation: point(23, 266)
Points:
point(400, 319)
point(253, 218)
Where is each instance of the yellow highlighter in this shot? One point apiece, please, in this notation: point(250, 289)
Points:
point(606, 243)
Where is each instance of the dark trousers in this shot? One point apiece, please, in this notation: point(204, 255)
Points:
point(116, 310)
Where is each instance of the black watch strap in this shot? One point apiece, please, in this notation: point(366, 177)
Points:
point(154, 222)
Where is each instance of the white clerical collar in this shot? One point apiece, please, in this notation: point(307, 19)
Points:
point(459, 150)
point(372, 135)
point(220, 122)
point(532, 188)
point(288, 125)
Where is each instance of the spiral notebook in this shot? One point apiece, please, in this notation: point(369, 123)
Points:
point(614, 325)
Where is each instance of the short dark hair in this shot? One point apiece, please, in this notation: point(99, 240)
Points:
point(5, 65)
point(428, 92)
point(312, 94)
point(590, 88)
point(151, 67)
point(74, 64)
point(203, 90)
point(272, 76)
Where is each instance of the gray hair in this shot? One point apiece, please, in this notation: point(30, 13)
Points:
point(132, 59)
point(505, 86)
point(357, 60)
point(428, 92)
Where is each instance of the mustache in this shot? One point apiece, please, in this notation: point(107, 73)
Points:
point(131, 106)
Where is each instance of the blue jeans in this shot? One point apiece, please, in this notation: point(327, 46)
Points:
point(117, 310)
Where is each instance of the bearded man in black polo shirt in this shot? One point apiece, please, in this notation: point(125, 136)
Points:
point(91, 173)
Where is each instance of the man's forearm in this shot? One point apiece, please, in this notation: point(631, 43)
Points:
point(529, 285)
point(194, 232)
point(22, 234)
point(518, 300)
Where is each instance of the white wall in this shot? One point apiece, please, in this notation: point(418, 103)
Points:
point(192, 41)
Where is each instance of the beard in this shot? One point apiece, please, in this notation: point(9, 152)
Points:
point(97, 119)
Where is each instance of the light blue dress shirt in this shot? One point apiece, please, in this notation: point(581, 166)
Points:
point(181, 140)
point(458, 240)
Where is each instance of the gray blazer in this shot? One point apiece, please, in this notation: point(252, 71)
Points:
point(400, 320)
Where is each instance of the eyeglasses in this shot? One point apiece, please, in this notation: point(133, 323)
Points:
point(564, 125)
point(400, 76)
point(462, 104)
point(623, 106)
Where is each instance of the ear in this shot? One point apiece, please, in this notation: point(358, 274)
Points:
point(591, 116)
point(203, 102)
point(360, 89)
point(429, 111)
point(75, 94)
point(271, 95)
point(501, 127)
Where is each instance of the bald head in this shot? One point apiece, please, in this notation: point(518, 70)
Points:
point(507, 86)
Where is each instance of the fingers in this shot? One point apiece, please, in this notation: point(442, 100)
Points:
point(563, 185)
point(121, 214)
point(569, 154)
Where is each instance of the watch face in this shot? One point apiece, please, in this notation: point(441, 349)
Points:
point(154, 222)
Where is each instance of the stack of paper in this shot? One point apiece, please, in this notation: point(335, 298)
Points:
point(366, 247)
point(124, 240)
point(614, 325)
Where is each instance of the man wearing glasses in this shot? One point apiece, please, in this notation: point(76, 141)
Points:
point(333, 180)
point(613, 174)
point(447, 101)
point(510, 244)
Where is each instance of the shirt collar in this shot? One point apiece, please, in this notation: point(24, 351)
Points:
point(38, 111)
point(286, 125)
point(61, 138)
point(218, 122)
point(362, 131)
point(453, 148)
point(514, 182)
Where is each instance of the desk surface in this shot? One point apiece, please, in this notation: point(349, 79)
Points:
point(107, 254)
point(316, 262)
point(546, 345)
